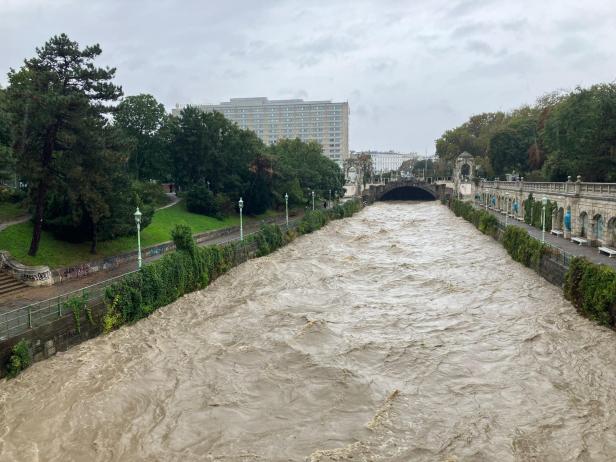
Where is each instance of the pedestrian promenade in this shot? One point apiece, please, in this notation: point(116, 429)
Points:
point(565, 245)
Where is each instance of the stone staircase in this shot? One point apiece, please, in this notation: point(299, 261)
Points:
point(9, 285)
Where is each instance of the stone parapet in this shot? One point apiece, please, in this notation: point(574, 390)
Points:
point(29, 275)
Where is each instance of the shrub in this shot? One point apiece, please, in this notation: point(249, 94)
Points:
point(150, 193)
point(77, 305)
point(201, 200)
point(183, 238)
point(522, 247)
point(591, 288)
point(268, 239)
point(19, 360)
point(484, 221)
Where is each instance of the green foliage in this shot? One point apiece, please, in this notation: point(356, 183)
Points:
point(182, 238)
point(63, 142)
point(142, 119)
point(165, 280)
point(150, 194)
point(268, 239)
point(563, 134)
point(19, 360)
point(200, 199)
point(591, 288)
point(77, 305)
point(522, 247)
point(533, 212)
point(484, 221)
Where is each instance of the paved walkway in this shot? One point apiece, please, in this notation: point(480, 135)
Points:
point(36, 294)
point(6, 224)
point(591, 253)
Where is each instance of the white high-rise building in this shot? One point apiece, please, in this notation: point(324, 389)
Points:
point(322, 121)
point(388, 161)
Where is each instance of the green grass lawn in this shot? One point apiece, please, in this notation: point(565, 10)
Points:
point(9, 211)
point(57, 254)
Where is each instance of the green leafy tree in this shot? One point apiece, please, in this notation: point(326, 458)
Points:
point(141, 117)
point(53, 97)
point(7, 160)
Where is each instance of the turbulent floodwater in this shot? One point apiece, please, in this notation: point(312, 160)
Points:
point(401, 334)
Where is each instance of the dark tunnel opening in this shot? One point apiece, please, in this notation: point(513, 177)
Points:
point(408, 193)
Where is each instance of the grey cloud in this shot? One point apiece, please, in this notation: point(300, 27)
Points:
point(410, 70)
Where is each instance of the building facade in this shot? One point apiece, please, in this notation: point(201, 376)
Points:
point(388, 161)
point(322, 121)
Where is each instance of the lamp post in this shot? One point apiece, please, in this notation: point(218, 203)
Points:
point(506, 208)
point(241, 204)
point(138, 222)
point(286, 207)
point(544, 201)
point(330, 198)
point(313, 200)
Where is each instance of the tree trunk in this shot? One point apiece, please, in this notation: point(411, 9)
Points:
point(94, 238)
point(43, 184)
point(38, 218)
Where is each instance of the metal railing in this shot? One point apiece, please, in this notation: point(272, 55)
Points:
point(556, 253)
point(19, 320)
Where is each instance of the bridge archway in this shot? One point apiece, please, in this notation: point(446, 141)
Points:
point(408, 193)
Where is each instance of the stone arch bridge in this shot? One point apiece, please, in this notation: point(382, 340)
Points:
point(405, 189)
point(585, 210)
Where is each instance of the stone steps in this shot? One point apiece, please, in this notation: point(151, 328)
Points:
point(9, 285)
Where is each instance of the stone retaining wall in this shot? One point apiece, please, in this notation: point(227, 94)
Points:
point(29, 275)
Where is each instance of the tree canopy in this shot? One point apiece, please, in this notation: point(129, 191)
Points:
point(562, 134)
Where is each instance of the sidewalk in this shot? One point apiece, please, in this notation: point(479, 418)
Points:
point(37, 294)
point(591, 253)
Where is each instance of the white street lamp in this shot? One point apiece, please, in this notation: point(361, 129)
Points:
point(506, 208)
point(241, 204)
point(286, 207)
point(313, 200)
point(544, 201)
point(138, 222)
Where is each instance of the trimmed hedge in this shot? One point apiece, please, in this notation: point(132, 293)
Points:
point(522, 247)
point(591, 288)
point(192, 268)
point(484, 221)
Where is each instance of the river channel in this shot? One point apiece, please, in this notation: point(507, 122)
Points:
point(401, 334)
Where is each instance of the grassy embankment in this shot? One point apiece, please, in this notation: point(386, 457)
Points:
point(56, 254)
point(10, 211)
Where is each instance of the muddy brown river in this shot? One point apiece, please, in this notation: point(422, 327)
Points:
point(401, 334)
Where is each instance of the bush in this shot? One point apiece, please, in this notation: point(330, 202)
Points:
point(201, 200)
point(151, 194)
point(268, 239)
point(484, 221)
point(19, 360)
point(183, 238)
point(522, 247)
point(591, 288)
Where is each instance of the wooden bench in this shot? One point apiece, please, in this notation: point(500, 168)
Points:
point(606, 250)
point(579, 240)
point(557, 232)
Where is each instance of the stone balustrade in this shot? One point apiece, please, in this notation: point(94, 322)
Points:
point(29, 275)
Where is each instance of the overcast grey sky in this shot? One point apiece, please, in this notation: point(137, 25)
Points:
point(409, 69)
